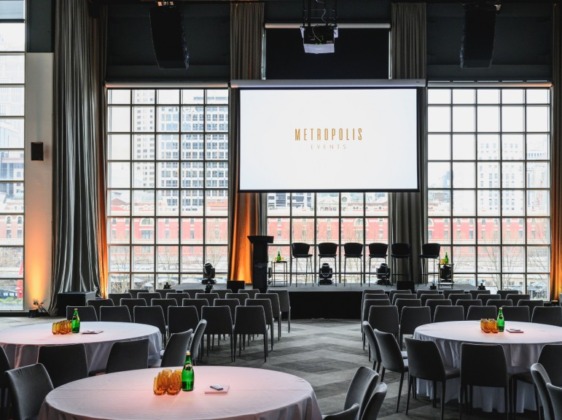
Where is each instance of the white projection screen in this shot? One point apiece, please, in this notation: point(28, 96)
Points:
point(356, 138)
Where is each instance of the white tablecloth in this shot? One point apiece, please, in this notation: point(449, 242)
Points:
point(253, 394)
point(22, 343)
point(521, 351)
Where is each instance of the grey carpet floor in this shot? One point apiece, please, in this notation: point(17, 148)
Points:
point(326, 353)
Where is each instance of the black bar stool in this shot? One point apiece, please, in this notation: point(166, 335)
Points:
point(300, 250)
point(377, 250)
point(328, 250)
point(401, 251)
point(352, 250)
point(430, 251)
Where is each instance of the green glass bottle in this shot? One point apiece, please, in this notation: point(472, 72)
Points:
point(75, 322)
point(446, 259)
point(501, 320)
point(278, 256)
point(187, 375)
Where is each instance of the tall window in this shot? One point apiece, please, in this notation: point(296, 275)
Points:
point(327, 217)
point(167, 185)
point(488, 185)
point(12, 88)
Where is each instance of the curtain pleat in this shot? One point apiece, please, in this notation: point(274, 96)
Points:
point(556, 159)
point(246, 217)
point(408, 38)
point(77, 108)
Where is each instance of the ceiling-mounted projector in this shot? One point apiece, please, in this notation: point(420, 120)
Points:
point(319, 39)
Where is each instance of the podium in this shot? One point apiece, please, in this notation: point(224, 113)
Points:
point(259, 260)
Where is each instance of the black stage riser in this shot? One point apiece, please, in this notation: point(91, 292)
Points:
point(324, 304)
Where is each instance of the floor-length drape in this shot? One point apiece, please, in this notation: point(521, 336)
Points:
point(76, 160)
point(409, 62)
point(245, 208)
point(556, 159)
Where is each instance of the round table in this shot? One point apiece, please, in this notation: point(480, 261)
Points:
point(22, 343)
point(252, 394)
point(521, 351)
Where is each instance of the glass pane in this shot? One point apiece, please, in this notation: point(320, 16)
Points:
point(513, 175)
point(119, 258)
point(12, 35)
point(464, 231)
point(168, 147)
point(488, 147)
point(167, 259)
point(119, 175)
point(143, 230)
point(538, 118)
point(167, 231)
point(376, 230)
point(488, 96)
point(538, 146)
point(489, 259)
point(538, 231)
point(464, 203)
point(439, 203)
point(488, 202)
point(538, 203)
point(488, 175)
point(463, 175)
point(303, 230)
point(168, 96)
point(513, 96)
point(143, 281)
point(191, 230)
point(12, 68)
point(513, 203)
point(216, 203)
point(168, 119)
point(488, 118)
point(11, 101)
point(216, 119)
point(119, 283)
point(352, 230)
point(143, 203)
point(488, 231)
point(192, 203)
point(192, 96)
point(538, 96)
point(118, 96)
point(438, 175)
point(538, 175)
point(143, 175)
point(119, 147)
point(143, 147)
point(216, 146)
point(464, 119)
point(465, 260)
point(167, 175)
point(216, 230)
point(143, 258)
point(376, 204)
point(192, 118)
point(438, 147)
point(11, 132)
point(538, 286)
point(438, 96)
point(144, 96)
point(278, 204)
point(119, 230)
point(118, 119)
point(13, 193)
point(538, 259)
point(192, 146)
point(464, 96)
point(192, 175)
point(143, 119)
point(438, 119)
point(217, 96)
point(513, 230)
point(11, 166)
point(327, 204)
point(218, 256)
point(216, 175)
point(464, 147)
point(513, 147)
point(513, 118)
point(439, 230)
point(513, 281)
point(279, 228)
point(119, 203)
point(351, 204)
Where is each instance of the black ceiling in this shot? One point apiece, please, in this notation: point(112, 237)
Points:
point(522, 48)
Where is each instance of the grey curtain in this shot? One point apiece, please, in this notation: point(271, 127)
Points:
point(556, 159)
point(409, 49)
point(78, 108)
point(246, 215)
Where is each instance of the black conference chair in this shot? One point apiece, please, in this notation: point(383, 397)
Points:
point(301, 251)
point(430, 251)
point(128, 355)
point(86, 313)
point(353, 251)
point(329, 251)
point(176, 347)
point(65, 363)
point(377, 251)
point(540, 379)
point(391, 359)
point(401, 252)
point(28, 385)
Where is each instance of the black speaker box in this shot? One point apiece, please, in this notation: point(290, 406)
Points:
point(36, 151)
point(478, 36)
point(168, 37)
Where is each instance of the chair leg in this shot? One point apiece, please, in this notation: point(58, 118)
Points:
point(399, 391)
point(382, 374)
point(443, 390)
point(410, 384)
point(265, 346)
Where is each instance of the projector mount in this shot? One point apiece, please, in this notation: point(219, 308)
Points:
point(319, 29)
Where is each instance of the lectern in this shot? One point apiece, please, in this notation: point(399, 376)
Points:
point(259, 260)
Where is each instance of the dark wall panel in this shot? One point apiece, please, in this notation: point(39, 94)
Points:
point(40, 26)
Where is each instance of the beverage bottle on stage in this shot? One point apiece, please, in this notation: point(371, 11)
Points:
point(75, 322)
point(278, 256)
point(446, 259)
point(187, 375)
point(500, 321)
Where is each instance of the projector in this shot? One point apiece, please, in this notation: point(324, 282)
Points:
point(319, 39)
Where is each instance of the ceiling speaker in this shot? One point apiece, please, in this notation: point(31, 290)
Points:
point(477, 44)
point(168, 37)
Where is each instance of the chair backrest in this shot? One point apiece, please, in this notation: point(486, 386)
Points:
point(4, 366)
point(135, 292)
point(64, 363)
point(361, 387)
point(550, 359)
point(209, 296)
point(476, 313)
point(222, 292)
point(176, 347)
point(195, 346)
point(384, 318)
point(516, 297)
point(503, 293)
point(458, 296)
point(353, 249)
point(178, 296)
point(551, 315)
point(467, 303)
point(219, 319)
point(370, 336)
point(391, 356)
point(98, 303)
point(192, 292)
point(250, 320)
point(400, 250)
point(402, 303)
point(327, 249)
point(449, 292)
point(240, 296)
point(275, 304)
point(531, 303)
point(115, 314)
point(198, 303)
point(284, 299)
point(266, 303)
point(431, 250)
point(231, 303)
point(300, 249)
point(434, 303)
point(375, 402)
point(445, 313)
point(164, 292)
point(148, 296)
point(131, 303)
point(540, 379)
point(377, 250)
point(425, 360)
point(165, 304)
point(498, 303)
point(475, 292)
point(395, 294)
point(28, 385)
point(412, 317)
point(116, 297)
point(555, 394)
point(486, 298)
point(128, 355)
point(182, 318)
point(151, 315)
point(421, 292)
point(483, 365)
point(517, 313)
point(348, 414)
point(86, 313)
point(424, 297)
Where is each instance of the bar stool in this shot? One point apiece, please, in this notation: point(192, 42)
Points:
point(300, 250)
point(376, 250)
point(401, 251)
point(430, 251)
point(328, 250)
point(352, 250)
